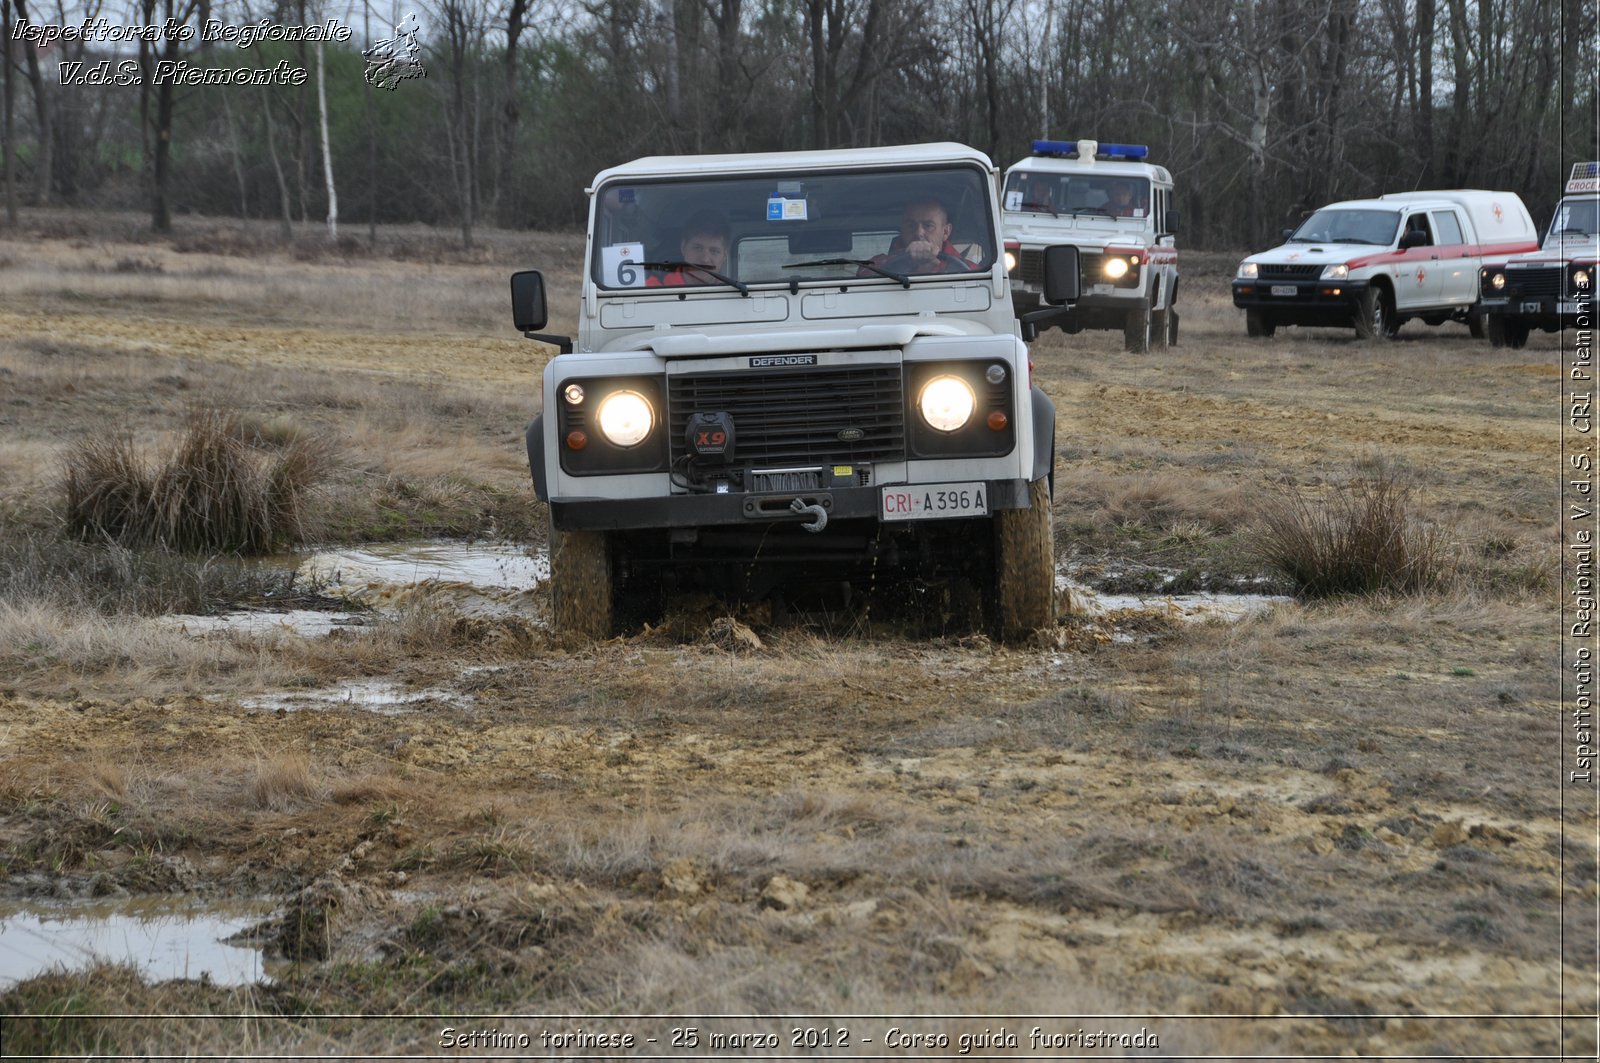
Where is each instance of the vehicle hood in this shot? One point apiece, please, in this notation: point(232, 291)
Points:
point(722, 341)
point(1559, 251)
point(1315, 254)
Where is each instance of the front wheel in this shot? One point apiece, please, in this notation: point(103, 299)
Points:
point(1136, 330)
point(1505, 332)
point(1024, 566)
point(1257, 326)
point(1375, 316)
point(582, 584)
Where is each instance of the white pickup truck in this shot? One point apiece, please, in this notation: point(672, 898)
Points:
point(1376, 263)
point(1551, 288)
point(796, 375)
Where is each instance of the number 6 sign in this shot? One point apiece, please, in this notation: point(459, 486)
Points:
point(619, 266)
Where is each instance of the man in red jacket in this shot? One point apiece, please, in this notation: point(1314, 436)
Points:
point(705, 243)
point(923, 245)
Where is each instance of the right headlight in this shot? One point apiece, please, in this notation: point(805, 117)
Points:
point(1335, 272)
point(625, 418)
point(1497, 281)
point(1248, 271)
point(946, 403)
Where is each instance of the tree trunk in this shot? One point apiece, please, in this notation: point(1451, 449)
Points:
point(44, 178)
point(327, 154)
point(8, 127)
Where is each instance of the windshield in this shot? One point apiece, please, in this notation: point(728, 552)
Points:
point(1575, 217)
point(1349, 227)
point(882, 227)
point(1062, 195)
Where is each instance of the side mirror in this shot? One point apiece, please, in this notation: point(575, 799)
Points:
point(1286, 234)
point(1172, 222)
point(1413, 238)
point(1061, 274)
point(528, 311)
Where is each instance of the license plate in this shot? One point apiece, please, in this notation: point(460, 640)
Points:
point(1531, 308)
point(930, 501)
point(1285, 289)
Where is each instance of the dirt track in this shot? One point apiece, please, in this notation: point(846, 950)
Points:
point(1338, 817)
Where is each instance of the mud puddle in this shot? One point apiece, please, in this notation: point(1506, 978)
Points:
point(1189, 606)
point(383, 696)
point(161, 937)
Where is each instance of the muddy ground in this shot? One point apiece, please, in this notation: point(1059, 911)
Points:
point(1332, 827)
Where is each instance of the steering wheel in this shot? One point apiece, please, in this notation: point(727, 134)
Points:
point(903, 262)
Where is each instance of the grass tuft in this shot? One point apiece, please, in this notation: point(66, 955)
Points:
point(214, 492)
point(1359, 538)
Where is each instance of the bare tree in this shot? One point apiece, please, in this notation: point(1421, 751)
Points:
point(8, 127)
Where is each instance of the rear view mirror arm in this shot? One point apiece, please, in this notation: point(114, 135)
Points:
point(562, 343)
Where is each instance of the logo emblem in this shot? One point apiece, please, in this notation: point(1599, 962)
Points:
point(851, 435)
point(771, 361)
point(1422, 275)
point(396, 59)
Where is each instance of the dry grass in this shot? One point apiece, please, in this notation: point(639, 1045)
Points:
point(213, 493)
point(1363, 537)
point(283, 782)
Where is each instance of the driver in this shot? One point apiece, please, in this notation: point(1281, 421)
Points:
point(705, 243)
point(923, 245)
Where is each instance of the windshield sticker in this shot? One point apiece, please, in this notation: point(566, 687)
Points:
point(780, 209)
point(619, 266)
point(1014, 200)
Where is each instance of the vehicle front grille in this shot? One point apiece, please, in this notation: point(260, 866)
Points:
point(795, 417)
point(1538, 283)
point(1284, 271)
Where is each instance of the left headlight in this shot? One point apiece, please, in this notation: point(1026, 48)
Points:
point(1336, 272)
point(1580, 278)
point(1248, 271)
point(946, 403)
point(1497, 281)
point(625, 418)
point(1011, 261)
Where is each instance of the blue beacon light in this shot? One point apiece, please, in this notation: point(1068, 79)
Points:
point(1069, 149)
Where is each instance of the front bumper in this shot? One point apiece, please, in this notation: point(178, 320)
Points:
point(738, 508)
point(1301, 301)
point(1546, 306)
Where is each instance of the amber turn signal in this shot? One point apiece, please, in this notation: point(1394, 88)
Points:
point(576, 440)
point(998, 421)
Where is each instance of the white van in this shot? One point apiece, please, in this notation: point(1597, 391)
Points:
point(1376, 263)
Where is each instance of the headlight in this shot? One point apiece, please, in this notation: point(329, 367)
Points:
point(946, 403)
point(1580, 278)
point(625, 418)
point(1248, 271)
point(1011, 261)
point(1497, 281)
point(1338, 272)
point(1116, 268)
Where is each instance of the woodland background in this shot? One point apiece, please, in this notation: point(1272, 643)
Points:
point(1263, 109)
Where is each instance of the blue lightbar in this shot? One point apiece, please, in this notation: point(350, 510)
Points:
point(1586, 169)
point(1068, 149)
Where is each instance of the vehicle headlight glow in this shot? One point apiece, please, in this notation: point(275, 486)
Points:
point(1249, 271)
point(1011, 261)
point(1338, 272)
point(1497, 281)
point(1116, 268)
point(1580, 277)
point(573, 393)
point(946, 403)
point(625, 418)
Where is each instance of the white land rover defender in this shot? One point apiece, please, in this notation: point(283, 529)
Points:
point(1116, 209)
point(795, 374)
point(1549, 289)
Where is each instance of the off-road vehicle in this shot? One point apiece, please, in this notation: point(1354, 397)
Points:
point(818, 412)
point(1116, 209)
point(1552, 288)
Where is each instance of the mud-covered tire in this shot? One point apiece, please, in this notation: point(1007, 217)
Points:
point(1024, 561)
point(1172, 326)
point(1375, 317)
point(1159, 329)
point(1475, 324)
point(1136, 330)
point(582, 584)
point(1256, 325)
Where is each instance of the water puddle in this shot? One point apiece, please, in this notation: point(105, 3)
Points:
point(308, 623)
point(382, 696)
point(1190, 607)
point(162, 937)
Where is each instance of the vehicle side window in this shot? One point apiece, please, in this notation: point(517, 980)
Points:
point(1449, 227)
point(1419, 223)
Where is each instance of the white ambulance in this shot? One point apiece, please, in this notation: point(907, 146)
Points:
point(1552, 287)
point(1116, 209)
point(1376, 263)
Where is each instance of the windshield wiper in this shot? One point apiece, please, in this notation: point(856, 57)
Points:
point(1578, 232)
point(744, 289)
point(1350, 240)
point(1085, 209)
point(864, 263)
point(1041, 206)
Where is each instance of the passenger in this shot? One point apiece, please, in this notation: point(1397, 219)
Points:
point(705, 243)
point(923, 245)
point(1119, 200)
